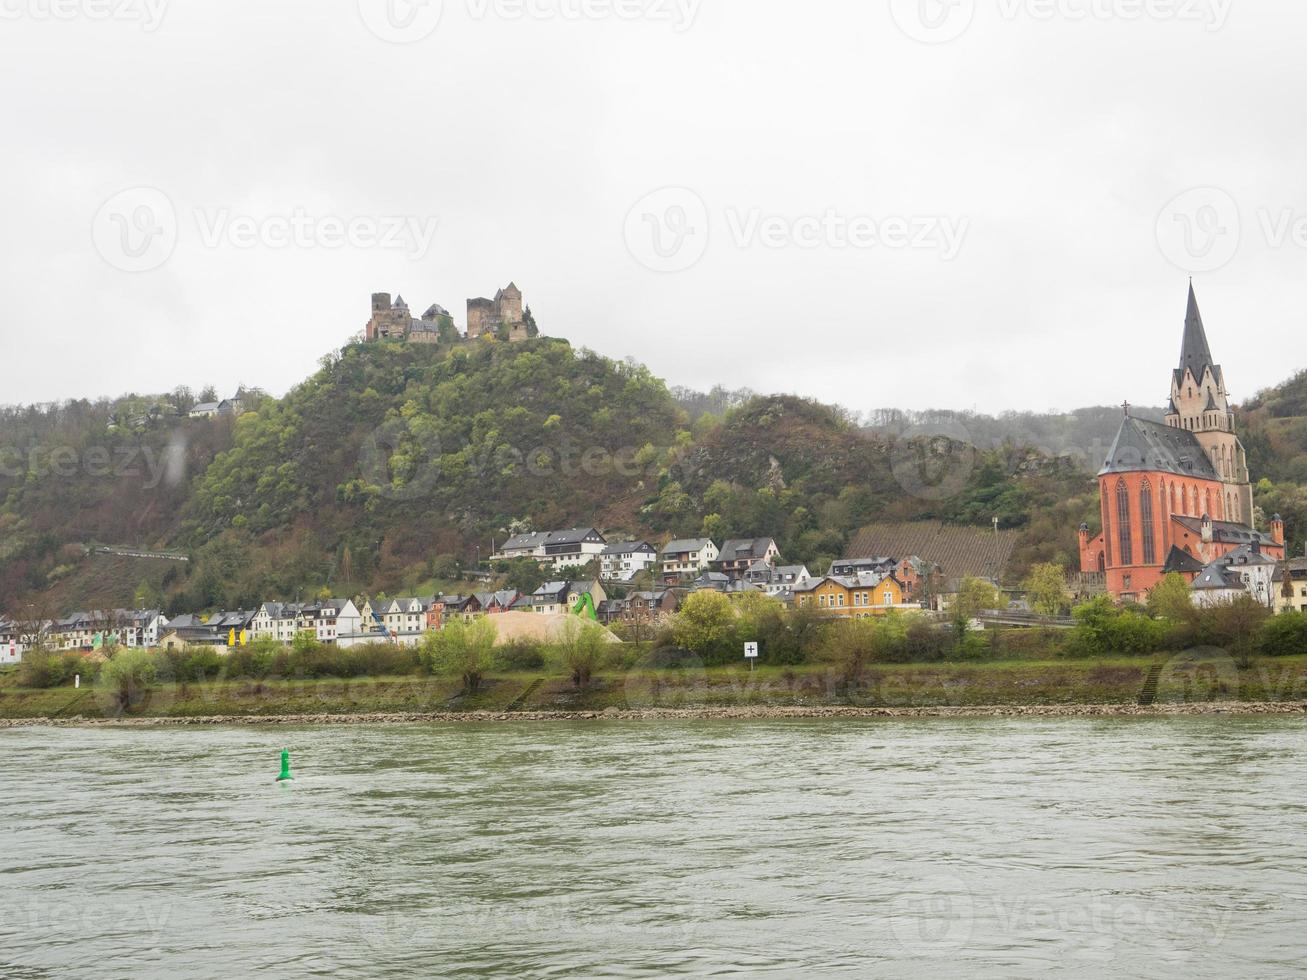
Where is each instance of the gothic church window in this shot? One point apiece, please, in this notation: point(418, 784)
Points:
point(1123, 523)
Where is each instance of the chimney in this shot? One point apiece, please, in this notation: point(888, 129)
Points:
point(1207, 529)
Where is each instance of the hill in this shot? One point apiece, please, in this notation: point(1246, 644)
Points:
point(397, 465)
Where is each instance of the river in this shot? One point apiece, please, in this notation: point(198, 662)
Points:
point(992, 847)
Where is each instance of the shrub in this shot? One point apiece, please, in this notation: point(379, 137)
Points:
point(126, 678)
point(46, 668)
point(1284, 635)
point(519, 655)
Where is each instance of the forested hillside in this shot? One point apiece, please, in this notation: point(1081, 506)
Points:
point(396, 465)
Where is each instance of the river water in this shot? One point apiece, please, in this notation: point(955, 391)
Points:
point(994, 847)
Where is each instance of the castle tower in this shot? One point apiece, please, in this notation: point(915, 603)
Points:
point(1200, 404)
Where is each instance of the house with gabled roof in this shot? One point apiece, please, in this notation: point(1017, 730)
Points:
point(738, 554)
point(622, 561)
point(684, 559)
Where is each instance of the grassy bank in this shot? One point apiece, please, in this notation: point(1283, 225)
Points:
point(1193, 678)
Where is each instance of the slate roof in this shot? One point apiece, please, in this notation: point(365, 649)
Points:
point(1216, 577)
point(574, 535)
point(525, 542)
point(737, 549)
point(1195, 355)
point(1146, 446)
point(629, 547)
point(1226, 531)
point(685, 545)
point(1181, 561)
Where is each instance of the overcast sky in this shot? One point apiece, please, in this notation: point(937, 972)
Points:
point(991, 204)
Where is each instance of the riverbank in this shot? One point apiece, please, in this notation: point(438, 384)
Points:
point(681, 714)
point(1192, 683)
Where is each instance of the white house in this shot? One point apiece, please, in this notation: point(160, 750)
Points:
point(11, 643)
point(1243, 571)
point(623, 561)
point(529, 545)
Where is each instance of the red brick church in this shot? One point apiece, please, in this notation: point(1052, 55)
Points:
point(1176, 496)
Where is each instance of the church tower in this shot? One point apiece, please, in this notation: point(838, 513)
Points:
point(1200, 404)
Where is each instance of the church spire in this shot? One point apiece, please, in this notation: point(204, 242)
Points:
point(1194, 353)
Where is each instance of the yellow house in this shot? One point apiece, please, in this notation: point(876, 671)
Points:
point(855, 596)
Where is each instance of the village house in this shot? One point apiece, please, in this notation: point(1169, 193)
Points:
point(686, 558)
point(562, 597)
point(865, 594)
point(492, 603)
point(573, 548)
point(1289, 586)
point(12, 645)
point(554, 549)
point(738, 554)
point(777, 581)
point(1247, 568)
point(624, 560)
point(530, 544)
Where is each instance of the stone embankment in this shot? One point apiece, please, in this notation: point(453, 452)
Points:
point(676, 714)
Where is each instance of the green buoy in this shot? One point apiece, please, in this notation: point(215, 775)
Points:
point(285, 767)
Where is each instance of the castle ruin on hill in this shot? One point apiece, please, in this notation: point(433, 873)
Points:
point(503, 317)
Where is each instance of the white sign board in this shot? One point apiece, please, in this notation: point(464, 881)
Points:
point(751, 650)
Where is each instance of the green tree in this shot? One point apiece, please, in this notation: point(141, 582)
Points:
point(461, 648)
point(1045, 587)
point(580, 651)
point(1171, 599)
point(706, 623)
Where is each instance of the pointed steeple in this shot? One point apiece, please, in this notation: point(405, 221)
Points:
point(1194, 354)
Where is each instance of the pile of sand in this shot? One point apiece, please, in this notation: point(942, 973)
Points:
point(540, 627)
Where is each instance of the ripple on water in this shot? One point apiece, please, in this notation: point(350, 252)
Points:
point(987, 846)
